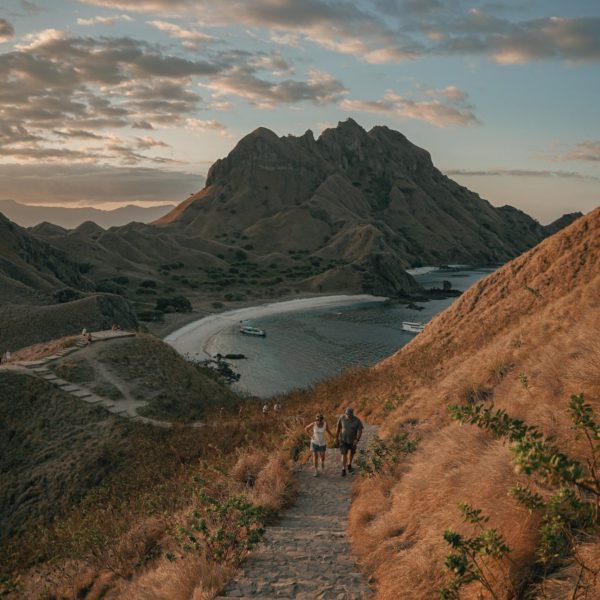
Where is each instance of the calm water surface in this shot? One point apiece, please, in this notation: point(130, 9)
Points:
point(306, 346)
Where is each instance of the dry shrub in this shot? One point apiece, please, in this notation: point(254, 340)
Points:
point(248, 466)
point(578, 579)
point(38, 351)
point(187, 578)
point(139, 545)
point(274, 487)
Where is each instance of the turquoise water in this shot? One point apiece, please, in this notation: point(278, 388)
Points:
point(304, 347)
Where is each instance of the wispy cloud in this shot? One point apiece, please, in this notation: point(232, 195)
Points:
point(496, 172)
point(191, 38)
point(445, 107)
point(103, 20)
point(242, 82)
point(7, 31)
point(587, 151)
point(202, 125)
point(381, 31)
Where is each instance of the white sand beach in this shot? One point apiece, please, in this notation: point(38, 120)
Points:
point(194, 338)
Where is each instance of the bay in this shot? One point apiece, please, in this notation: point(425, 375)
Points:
point(306, 346)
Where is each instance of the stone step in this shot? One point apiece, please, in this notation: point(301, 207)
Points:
point(50, 377)
point(69, 387)
point(32, 364)
point(91, 399)
point(41, 370)
point(81, 394)
point(311, 533)
point(254, 598)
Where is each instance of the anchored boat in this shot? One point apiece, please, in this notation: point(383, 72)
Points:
point(413, 327)
point(248, 330)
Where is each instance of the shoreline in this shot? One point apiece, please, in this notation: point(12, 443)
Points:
point(196, 335)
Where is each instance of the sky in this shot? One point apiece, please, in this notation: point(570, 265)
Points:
point(108, 102)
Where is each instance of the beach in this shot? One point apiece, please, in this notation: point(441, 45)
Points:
point(194, 338)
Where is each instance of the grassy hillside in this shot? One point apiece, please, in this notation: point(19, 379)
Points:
point(524, 339)
point(25, 324)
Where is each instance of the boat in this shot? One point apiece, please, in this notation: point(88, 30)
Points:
point(413, 327)
point(248, 330)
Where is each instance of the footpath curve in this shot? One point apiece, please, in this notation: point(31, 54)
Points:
point(307, 556)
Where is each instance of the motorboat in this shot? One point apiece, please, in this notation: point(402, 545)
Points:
point(413, 327)
point(249, 330)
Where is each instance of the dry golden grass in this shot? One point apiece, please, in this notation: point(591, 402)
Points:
point(526, 338)
point(46, 349)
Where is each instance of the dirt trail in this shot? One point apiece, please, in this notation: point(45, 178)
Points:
point(307, 555)
point(126, 407)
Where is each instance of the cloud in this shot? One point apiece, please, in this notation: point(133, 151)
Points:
point(191, 37)
point(68, 89)
point(319, 88)
point(103, 20)
point(588, 151)
point(7, 31)
point(449, 107)
point(381, 31)
point(520, 173)
point(201, 125)
point(68, 183)
point(77, 133)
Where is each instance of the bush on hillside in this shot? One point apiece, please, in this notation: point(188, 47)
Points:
point(66, 295)
point(174, 304)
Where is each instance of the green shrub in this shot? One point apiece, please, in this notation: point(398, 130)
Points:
point(66, 295)
point(174, 304)
point(223, 530)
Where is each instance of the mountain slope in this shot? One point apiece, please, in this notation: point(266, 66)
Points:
point(31, 215)
point(524, 338)
point(332, 189)
point(29, 266)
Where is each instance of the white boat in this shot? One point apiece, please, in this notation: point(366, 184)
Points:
point(413, 327)
point(248, 330)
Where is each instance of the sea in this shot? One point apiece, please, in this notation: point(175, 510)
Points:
point(304, 347)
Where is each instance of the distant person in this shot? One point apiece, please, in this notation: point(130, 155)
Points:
point(318, 445)
point(347, 434)
point(84, 332)
point(265, 409)
point(8, 356)
point(88, 337)
point(115, 327)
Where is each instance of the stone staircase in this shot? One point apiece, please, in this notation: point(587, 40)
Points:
point(39, 368)
point(307, 556)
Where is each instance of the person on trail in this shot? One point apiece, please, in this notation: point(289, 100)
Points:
point(318, 446)
point(347, 435)
point(265, 409)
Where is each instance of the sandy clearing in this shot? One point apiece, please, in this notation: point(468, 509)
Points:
point(195, 337)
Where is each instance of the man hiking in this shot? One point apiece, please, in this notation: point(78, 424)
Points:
point(347, 435)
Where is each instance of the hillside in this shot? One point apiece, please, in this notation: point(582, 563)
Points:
point(29, 215)
point(30, 268)
point(524, 339)
point(348, 212)
point(55, 449)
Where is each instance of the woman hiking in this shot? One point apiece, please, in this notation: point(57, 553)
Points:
point(318, 445)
